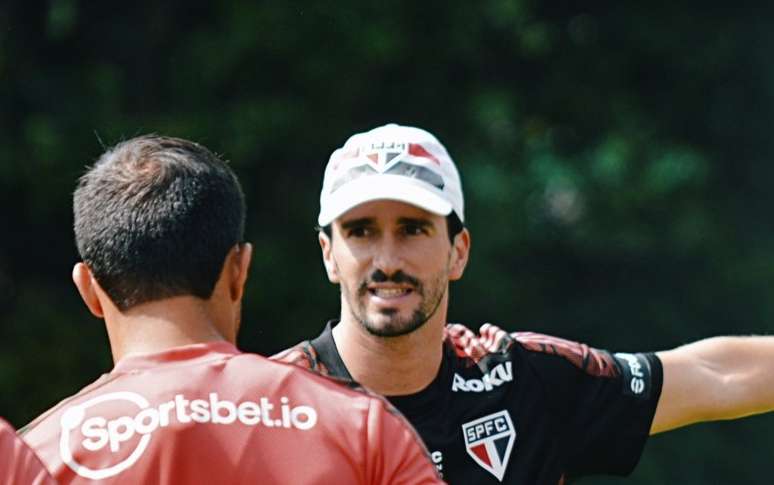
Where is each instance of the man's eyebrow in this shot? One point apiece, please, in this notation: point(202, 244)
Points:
point(417, 221)
point(363, 221)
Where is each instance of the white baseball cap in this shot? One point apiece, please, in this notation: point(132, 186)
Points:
point(391, 162)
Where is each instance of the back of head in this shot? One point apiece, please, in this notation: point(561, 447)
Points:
point(155, 218)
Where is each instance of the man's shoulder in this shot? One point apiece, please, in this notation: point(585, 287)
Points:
point(302, 355)
point(278, 405)
point(19, 464)
point(239, 375)
point(303, 362)
point(467, 344)
point(304, 358)
point(492, 340)
point(47, 423)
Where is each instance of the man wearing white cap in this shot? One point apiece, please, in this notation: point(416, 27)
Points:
point(492, 407)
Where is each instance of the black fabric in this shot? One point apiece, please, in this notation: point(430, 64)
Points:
point(329, 354)
point(562, 422)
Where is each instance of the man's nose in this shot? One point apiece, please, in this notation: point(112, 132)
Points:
point(387, 255)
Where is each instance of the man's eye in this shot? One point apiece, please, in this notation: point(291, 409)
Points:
point(358, 232)
point(414, 229)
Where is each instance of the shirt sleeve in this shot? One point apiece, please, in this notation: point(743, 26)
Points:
point(18, 463)
point(604, 403)
point(396, 453)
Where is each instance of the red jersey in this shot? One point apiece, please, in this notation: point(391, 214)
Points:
point(18, 464)
point(207, 413)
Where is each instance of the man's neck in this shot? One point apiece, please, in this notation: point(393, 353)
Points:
point(391, 366)
point(162, 325)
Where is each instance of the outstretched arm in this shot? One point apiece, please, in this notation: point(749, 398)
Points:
point(716, 378)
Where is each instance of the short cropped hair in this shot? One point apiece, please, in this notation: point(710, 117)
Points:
point(155, 218)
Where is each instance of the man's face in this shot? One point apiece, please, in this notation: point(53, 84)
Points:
point(393, 262)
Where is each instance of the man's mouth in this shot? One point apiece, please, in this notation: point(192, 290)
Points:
point(389, 293)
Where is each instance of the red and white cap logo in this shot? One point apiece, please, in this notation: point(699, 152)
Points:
point(391, 162)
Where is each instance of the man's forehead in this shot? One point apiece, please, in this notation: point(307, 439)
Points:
point(386, 211)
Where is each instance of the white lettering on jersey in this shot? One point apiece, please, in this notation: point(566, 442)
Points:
point(100, 433)
point(637, 382)
point(437, 458)
point(496, 377)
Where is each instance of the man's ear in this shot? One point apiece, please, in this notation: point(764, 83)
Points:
point(459, 255)
point(239, 266)
point(326, 245)
point(88, 288)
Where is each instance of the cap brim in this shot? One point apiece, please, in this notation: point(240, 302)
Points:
point(383, 187)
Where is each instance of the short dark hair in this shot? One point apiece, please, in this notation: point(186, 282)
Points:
point(454, 226)
point(155, 218)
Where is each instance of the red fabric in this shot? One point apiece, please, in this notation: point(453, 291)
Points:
point(209, 414)
point(419, 151)
point(481, 453)
point(18, 463)
point(493, 339)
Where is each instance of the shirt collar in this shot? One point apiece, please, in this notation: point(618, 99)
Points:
point(184, 353)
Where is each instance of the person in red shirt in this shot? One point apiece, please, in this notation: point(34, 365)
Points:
point(159, 226)
point(18, 463)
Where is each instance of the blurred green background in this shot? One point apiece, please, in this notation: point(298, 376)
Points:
point(616, 158)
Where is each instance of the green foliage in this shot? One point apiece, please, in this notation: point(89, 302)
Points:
point(615, 158)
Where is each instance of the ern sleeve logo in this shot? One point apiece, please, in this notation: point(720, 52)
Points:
point(636, 372)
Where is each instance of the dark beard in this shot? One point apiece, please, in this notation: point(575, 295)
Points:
point(397, 327)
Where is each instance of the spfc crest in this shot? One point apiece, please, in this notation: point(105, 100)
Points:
point(489, 441)
point(382, 154)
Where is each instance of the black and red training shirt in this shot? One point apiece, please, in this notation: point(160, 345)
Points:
point(521, 408)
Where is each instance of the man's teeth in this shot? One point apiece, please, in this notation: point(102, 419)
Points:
point(390, 292)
